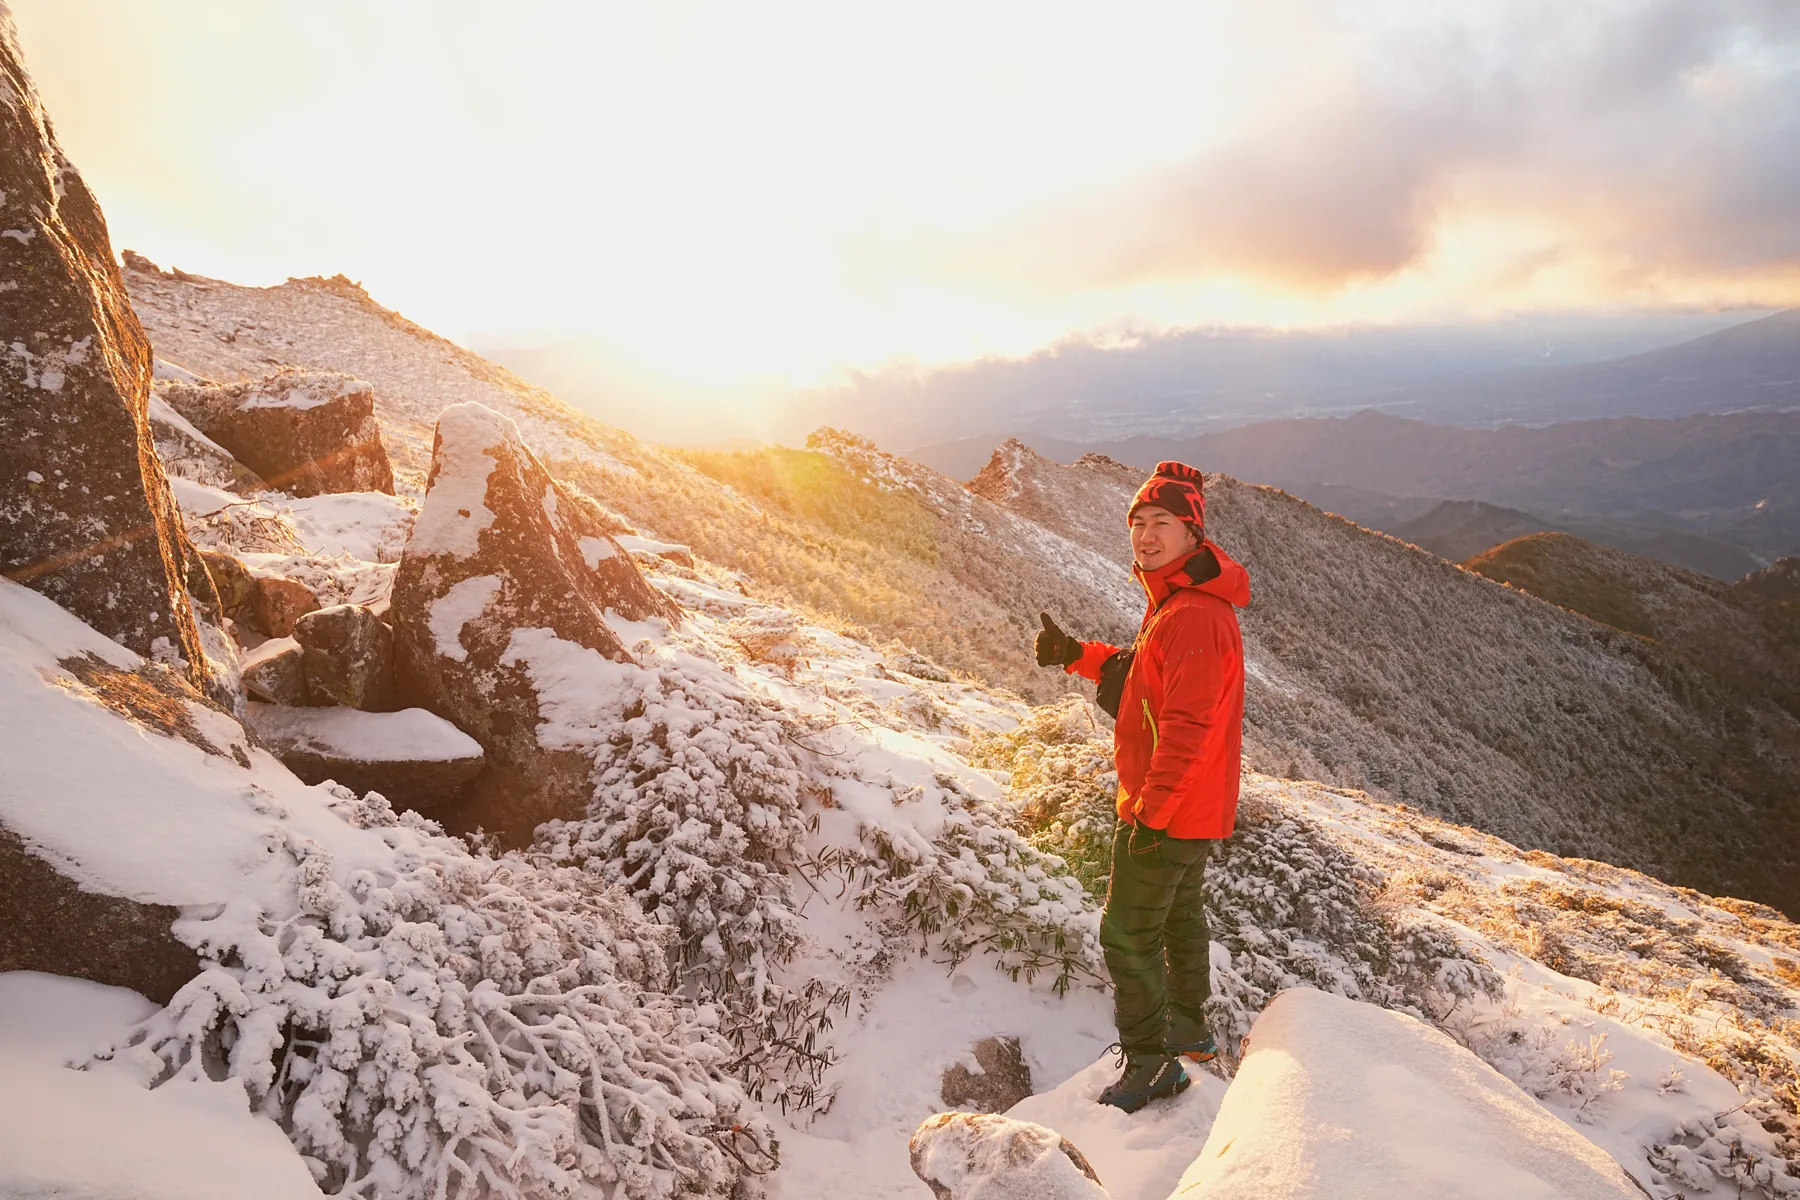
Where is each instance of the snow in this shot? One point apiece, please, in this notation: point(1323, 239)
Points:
point(197, 499)
point(369, 526)
point(322, 391)
point(919, 1022)
point(464, 602)
point(1342, 1099)
point(163, 369)
point(577, 688)
point(638, 544)
point(456, 511)
point(410, 735)
point(1138, 1156)
point(209, 819)
point(268, 648)
point(98, 1134)
point(594, 551)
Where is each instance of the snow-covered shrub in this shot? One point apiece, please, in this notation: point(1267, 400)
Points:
point(978, 887)
point(1582, 1074)
point(1057, 765)
point(769, 636)
point(1293, 907)
point(240, 526)
point(460, 1026)
point(696, 812)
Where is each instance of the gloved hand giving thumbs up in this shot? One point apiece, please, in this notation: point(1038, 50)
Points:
point(1054, 647)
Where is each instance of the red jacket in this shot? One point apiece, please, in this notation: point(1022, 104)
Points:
point(1180, 730)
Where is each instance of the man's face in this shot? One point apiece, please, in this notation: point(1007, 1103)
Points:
point(1158, 537)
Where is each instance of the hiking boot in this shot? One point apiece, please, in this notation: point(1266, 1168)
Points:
point(1200, 1051)
point(1146, 1077)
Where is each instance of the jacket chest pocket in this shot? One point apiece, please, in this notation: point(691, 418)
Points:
point(1150, 723)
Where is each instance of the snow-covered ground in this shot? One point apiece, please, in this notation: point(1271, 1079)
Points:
point(101, 1134)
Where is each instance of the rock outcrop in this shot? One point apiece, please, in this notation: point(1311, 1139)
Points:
point(233, 582)
point(983, 1156)
point(190, 454)
point(348, 657)
point(413, 758)
point(304, 432)
point(278, 603)
point(275, 673)
point(498, 547)
point(66, 930)
point(1003, 1081)
point(86, 516)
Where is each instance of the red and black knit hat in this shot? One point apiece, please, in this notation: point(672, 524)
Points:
point(1177, 489)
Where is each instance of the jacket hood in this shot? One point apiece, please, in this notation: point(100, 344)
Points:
point(1208, 569)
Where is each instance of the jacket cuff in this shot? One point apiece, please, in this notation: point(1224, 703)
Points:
point(1152, 818)
point(1092, 655)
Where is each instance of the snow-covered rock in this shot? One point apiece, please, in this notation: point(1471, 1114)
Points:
point(56, 925)
point(499, 554)
point(1004, 1077)
point(275, 672)
point(85, 512)
point(1342, 1099)
point(304, 432)
point(348, 657)
point(984, 1156)
point(415, 759)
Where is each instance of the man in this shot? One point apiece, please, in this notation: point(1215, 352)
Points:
point(1176, 743)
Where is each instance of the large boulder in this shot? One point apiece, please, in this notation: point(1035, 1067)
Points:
point(348, 657)
point(86, 516)
point(304, 432)
point(500, 547)
point(415, 759)
point(984, 1156)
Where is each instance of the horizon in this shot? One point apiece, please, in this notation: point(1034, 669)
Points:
point(726, 210)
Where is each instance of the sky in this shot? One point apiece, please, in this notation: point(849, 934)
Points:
point(733, 200)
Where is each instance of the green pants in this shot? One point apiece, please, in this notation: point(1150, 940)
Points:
point(1155, 938)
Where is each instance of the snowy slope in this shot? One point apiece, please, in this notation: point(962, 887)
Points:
point(99, 1134)
point(223, 331)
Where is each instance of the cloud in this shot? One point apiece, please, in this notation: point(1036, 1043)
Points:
point(1626, 142)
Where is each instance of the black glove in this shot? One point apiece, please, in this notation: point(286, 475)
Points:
point(1054, 647)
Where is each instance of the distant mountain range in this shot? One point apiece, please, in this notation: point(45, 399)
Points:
point(1204, 380)
point(1716, 493)
point(1754, 367)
